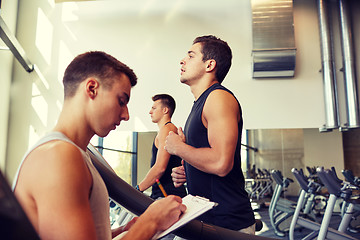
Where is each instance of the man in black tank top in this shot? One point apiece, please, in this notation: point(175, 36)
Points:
point(162, 162)
point(210, 143)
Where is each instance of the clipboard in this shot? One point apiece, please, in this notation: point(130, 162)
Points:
point(195, 206)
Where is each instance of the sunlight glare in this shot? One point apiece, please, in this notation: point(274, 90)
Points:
point(68, 10)
point(146, 7)
point(174, 10)
point(140, 126)
point(41, 77)
point(44, 35)
point(39, 104)
point(33, 136)
point(65, 57)
point(51, 3)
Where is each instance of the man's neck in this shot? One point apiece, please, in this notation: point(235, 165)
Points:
point(201, 86)
point(163, 121)
point(68, 124)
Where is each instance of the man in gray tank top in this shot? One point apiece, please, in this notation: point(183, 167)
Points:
point(60, 190)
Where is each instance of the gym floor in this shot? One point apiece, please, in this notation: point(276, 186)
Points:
point(267, 230)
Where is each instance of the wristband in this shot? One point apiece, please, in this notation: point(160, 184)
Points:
point(137, 188)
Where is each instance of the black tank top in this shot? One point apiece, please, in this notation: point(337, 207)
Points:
point(166, 179)
point(234, 210)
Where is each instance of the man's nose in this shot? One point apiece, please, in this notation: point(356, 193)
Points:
point(125, 114)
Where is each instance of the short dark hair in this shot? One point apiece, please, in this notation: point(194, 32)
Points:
point(167, 100)
point(94, 64)
point(219, 50)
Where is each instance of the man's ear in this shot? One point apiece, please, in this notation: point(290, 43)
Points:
point(165, 110)
point(211, 64)
point(92, 86)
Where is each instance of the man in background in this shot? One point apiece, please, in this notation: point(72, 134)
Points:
point(162, 162)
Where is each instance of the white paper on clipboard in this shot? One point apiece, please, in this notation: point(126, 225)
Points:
point(195, 206)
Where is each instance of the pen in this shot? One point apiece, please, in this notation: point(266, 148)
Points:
point(161, 187)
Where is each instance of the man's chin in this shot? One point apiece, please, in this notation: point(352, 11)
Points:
point(104, 134)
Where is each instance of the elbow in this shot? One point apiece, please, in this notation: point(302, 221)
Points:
point(161, 171)
point(223, 173)
point(158, 171)
point(224, 169)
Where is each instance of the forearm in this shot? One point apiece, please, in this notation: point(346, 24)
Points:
point(217, 159)
point(150, 178)
point(208, 159)
point(143, 229)
point(160, 215)
point(117, 231)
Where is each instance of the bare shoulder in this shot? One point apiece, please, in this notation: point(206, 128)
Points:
point(221, 101)
point(55, 153)
point(51, 163)
point(54, 181)
point(222, 97)
point(164, 131)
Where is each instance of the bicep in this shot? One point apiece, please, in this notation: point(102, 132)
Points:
point(62, 198)
point(162, 157)
point(61, 219)
point(222, 118)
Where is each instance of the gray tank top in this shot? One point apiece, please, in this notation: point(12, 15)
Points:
point(99, 198)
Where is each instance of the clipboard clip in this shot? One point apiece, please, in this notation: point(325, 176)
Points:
point(203, 200)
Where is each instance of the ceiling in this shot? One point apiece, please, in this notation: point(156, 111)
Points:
point(107, 8)
point(59, 1)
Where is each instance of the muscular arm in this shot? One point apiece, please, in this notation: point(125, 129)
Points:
point(54, 187)
point(221, 115)
point(162, 160)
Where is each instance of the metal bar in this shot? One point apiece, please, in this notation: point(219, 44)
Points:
point(134, 160)
point(100, 148)
point(250, 147)
point(330, 97)
point(347, 45)
point(14, 46)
